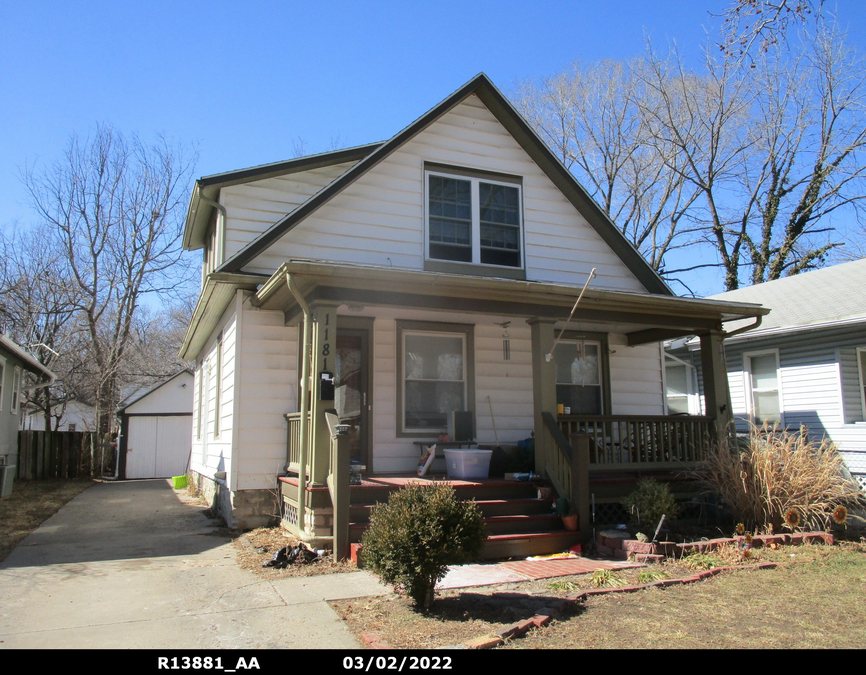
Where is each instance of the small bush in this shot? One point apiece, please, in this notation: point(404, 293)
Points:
point(777, 474)
point(650, 501)
point(421, 530)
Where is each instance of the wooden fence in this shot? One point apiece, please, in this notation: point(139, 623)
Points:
point(62, 454)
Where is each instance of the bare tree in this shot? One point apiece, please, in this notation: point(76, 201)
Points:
point(116, 206)
point(38, 301)
point(758, 25)
point(593, 116)
point(774, 149)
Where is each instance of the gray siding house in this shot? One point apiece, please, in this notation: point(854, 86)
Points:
point(804, 365)
point(14, 364)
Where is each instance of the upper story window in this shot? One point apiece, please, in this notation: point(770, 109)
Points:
point(474, 219)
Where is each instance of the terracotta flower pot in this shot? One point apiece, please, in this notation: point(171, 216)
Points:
point(570, 523)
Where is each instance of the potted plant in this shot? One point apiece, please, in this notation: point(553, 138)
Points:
point(567, 513)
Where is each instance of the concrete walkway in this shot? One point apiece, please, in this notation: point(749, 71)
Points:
point(137, 565)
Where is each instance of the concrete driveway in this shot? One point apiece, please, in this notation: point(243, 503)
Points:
point(135, 564)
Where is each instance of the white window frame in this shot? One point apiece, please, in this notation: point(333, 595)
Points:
point(16, 391)
point(2, 380)
point(750, 392)
point(428, 328)
point(861, 355)
point(475, 180)
point(692, 397)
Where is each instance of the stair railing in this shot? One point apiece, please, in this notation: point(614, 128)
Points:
point(338, 485)
point(568, 469)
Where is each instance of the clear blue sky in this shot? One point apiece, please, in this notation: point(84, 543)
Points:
point(245, 80)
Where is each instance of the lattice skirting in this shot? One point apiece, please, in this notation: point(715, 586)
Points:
point(290, 513)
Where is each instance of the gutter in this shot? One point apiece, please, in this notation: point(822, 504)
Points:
point(303, 406)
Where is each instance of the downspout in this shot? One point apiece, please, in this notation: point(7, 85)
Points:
point(303, 406)
point(758, 321)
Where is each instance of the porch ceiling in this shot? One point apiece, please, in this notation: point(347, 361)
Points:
point(648, 317)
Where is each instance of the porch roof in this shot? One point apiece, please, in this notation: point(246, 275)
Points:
point(650, 317)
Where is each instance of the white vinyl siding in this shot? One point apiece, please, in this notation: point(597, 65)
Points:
point(379, 219)
point(253, 207)
point(635, 378)
point(212, 452)
point(268, 388)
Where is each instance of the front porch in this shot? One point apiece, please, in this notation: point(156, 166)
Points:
point(354, 401)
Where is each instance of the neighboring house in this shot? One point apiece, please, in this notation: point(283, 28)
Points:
point(804, 365)
point(14, 364)
point(76, 416)
point(430, 274)
point(156, 429)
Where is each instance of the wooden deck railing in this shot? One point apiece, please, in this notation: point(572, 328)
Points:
point(567, 468)
point(651, 441)
point(294, 440)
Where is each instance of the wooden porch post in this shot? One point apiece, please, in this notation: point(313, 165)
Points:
point(324, 360)
point(543, 388)
point(716, 391)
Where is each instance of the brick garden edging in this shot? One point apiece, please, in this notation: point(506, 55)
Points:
point(615, 544)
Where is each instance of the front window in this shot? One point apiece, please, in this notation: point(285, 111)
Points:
point(474, 220)
point(764, 387)
point(435, 379)
point(579, 377)
point(435, 375)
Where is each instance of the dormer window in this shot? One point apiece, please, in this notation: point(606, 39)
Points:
point(474, 218)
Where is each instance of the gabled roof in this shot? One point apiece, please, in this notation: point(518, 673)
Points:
point(508, 116)
point(208, 187)
point(137, 396)
point(827, 296)
point(29, 362)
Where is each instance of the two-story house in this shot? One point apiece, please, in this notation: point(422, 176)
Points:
point(426, 274)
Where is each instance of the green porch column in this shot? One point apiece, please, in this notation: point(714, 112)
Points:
point(717, 395)
point(543, 388)
point(324, 347)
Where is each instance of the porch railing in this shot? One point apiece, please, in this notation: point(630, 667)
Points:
point(642, 442)
point(294, 440)
point(567, 468)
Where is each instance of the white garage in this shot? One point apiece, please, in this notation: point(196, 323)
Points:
point(156, 430)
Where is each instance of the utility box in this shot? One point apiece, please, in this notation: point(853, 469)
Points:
point(7, 475)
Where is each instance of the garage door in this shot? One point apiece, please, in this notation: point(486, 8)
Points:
point(158, 447)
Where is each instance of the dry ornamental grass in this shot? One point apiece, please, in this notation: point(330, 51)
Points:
point(780, 478)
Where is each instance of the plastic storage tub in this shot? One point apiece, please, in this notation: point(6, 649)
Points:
point(472, 463)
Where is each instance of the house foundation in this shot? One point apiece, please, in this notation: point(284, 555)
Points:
point(242, 509)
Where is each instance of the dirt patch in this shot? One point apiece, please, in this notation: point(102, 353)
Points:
point(258, 546)
point(812, 598)
point(31, 503)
